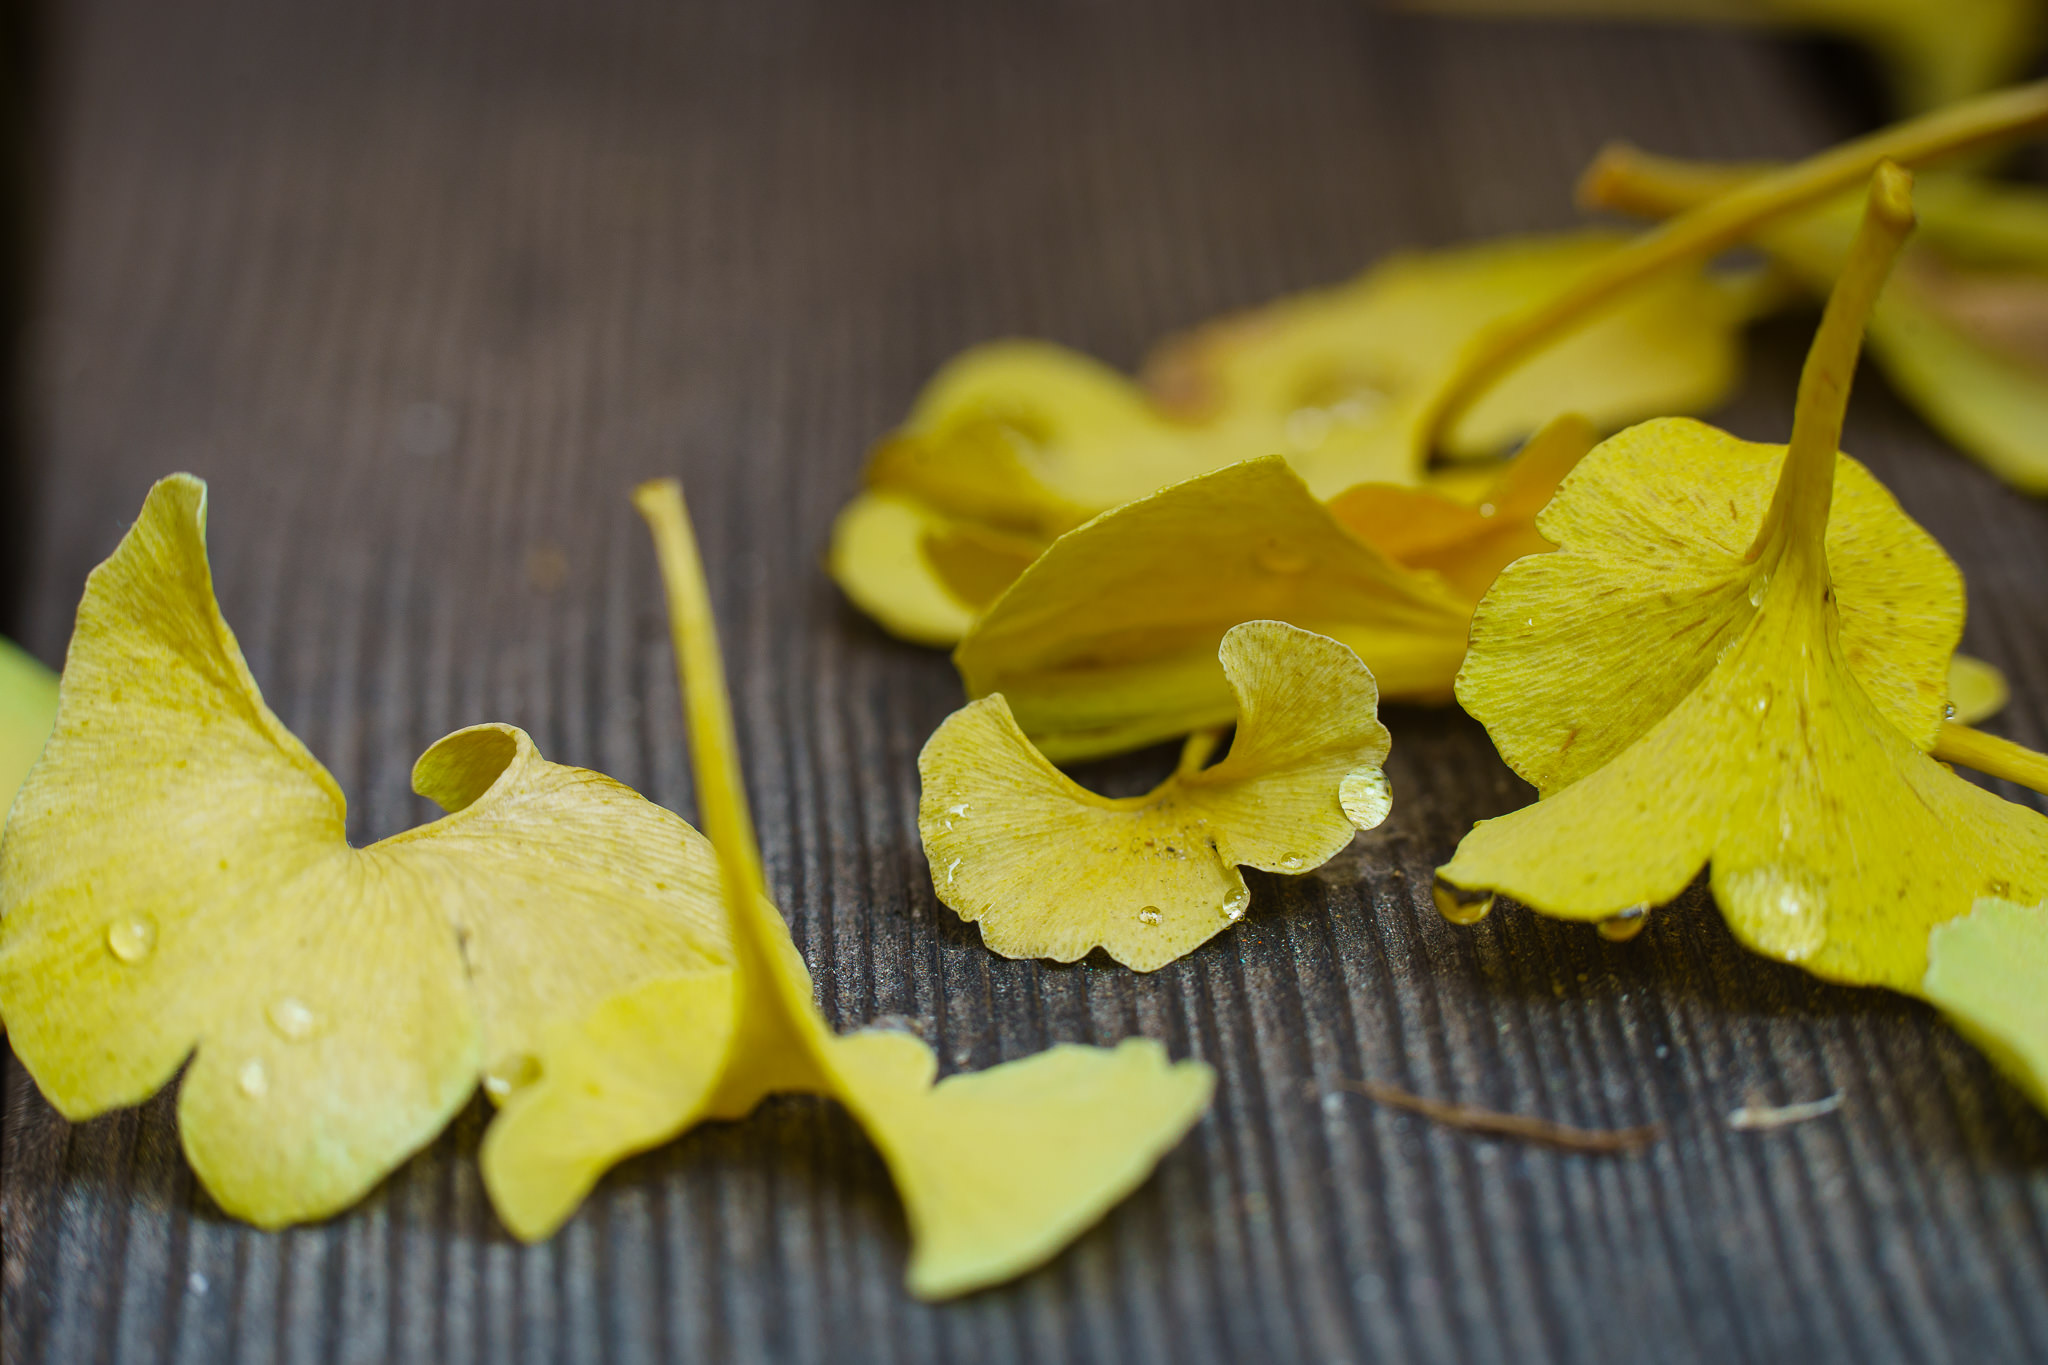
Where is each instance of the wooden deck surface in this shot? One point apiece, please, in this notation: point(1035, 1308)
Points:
point(423, 289)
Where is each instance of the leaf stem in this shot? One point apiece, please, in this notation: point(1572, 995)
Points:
point(714, 747)
point(1798, 515)
point(1722, 222)
point(1988, 754)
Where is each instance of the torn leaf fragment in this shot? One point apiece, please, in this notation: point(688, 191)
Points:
point(1984, 970)
point(1698, 677)
point(998, 1170)
point(1049, 869)
point(28, 708)
point(175, 883)
point(1976, 690)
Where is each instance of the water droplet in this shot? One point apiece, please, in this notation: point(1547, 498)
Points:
point(1237, 903)
point(951, 868)
point(1460, 906)
point(1780, 910)
point(959, 811)
point(291, 1018)
point(1293, 862)
point(1997, 887)
point(1151, 915)
point(1275, 557)
point(1626, 925)
point(1366, 796)
point(513, 1072)
point(1529, 622)
point(1759, 588)
point(132, 940)
point(1762, 703)
point(1948, 712)
point(1487, 509)
point(253, 1079)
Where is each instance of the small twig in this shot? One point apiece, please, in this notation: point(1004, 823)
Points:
point(1496, 1124)
point(1752, 1117)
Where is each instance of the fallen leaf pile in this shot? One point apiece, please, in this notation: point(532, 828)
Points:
point(1706, 655)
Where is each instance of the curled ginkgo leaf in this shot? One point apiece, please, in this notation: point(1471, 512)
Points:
point(998, 1169)
point(1049, 869)
point(1985, 970)
point(1713, 669)
point(175, 882)
point(1108, 641)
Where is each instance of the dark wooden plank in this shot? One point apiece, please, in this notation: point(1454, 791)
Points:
point(424, 288)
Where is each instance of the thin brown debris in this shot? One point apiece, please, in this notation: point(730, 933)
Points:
point(1493, 1123)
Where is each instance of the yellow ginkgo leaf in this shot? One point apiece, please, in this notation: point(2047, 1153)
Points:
point(1312, 367)
point(1108, 641)
point(28, 708)
point(1049, 869)
point(998, 1170)
point(175, 882)
point(1985, 970)
point(1931, 53)
point(1016, 442)
point(1963, 331)
point(1695, 677)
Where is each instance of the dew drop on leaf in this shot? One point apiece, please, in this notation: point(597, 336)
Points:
point(511, 1073)
point(291, 1018)
point(131, 940)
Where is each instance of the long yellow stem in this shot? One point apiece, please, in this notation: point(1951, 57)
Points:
point(1798, 514)
point(714, 747)
point(777, 1024)
point(1721, 223)
point(1991, 755)
point(1627, 179)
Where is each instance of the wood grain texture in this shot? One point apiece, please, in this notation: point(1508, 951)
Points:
point(424, 288)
